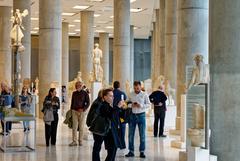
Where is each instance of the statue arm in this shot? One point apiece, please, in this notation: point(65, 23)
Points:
point(193, 78)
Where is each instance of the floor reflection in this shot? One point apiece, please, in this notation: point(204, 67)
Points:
point(157, 149)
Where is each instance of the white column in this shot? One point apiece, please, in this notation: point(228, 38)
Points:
point(86, 45)
point(104, 46)
point(50, 46)
point(65, 54)
point(132, 53)
point(121, 53)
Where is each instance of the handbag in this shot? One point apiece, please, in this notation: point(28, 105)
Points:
point(48, 115)
point(100, 125)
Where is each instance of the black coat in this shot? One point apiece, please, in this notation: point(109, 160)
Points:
point(113, 113)
point(156, 97)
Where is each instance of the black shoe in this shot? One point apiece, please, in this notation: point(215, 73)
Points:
point(130, 154)
point(142, 155)
point(163, 136)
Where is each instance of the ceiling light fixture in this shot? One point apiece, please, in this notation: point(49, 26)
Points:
point(76, 21)
point(109, 27)
point(111, 16)
point(34, 32)
point(36, 28)
point(99, 31)
point(131, 1)
point(71, 25)
point(77, 30)
point(95, 0)
point(72, 33)
point(136, 10)
point(34, 18)
point(102, 22)
point(81, 7)
point(97, 15)
point(68, 13)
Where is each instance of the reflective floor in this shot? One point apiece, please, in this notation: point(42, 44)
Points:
point(156, 149)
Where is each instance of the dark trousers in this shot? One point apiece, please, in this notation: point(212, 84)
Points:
point(109, 144)
point(159, 114)
point(8, 126)
point(51, 131)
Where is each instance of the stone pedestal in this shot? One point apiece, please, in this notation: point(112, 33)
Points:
point(181, 144)
point(96, 87)
point(196, 154)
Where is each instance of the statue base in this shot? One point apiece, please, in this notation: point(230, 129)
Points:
point(196, 154)
point(96, 87)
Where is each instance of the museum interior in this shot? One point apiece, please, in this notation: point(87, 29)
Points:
point(56, 55)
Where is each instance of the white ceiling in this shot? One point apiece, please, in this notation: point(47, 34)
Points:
point(142, 20)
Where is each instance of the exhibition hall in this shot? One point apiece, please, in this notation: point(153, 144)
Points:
point(119, 80)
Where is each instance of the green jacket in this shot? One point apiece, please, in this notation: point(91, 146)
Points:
point(68, 119)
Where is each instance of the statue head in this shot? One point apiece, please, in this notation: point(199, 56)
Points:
point(198, 58)
point(96, 45)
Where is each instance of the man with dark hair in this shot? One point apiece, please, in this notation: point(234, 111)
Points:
point(118, 96)
point(158, 98)
point(139, 103)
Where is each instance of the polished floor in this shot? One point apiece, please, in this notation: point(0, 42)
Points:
point(157, 149)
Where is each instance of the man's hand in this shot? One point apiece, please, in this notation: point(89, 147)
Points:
point(121, 104)
point(160, 104)
point(136, 105)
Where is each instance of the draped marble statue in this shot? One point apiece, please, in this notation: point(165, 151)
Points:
point(16, 33)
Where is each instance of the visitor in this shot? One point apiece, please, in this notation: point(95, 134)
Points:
point(158, 98)
point(79, 105)
point(51, 104)
point(139, 102)
point(118, 96)
point(111, 126)
point(25, 102)
point(6, 102)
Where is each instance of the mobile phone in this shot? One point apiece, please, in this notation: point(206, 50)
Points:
point(122, 97)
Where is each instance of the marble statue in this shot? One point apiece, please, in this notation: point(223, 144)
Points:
point(200, 73)
point(79, 76)
point(128, 87)
point(37, 85)
point(169, 91)
point(97, 69)
point(197, 132)
point(16, 33)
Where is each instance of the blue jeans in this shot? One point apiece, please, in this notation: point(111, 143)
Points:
point(26, 124)
point(140, 120)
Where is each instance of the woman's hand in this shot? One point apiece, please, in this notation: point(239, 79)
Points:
point(121, 104)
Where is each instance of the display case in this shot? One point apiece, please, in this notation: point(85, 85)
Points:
point(15, 137)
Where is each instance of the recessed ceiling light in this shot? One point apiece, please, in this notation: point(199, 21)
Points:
point(95, 0)
point(34, 32)
point(135, 27)
point(99, 31)
point(71, 25)
point(109, 27)
point(36, 28)
point(34, 18)
point(111, 16)
point(94, 26)
point(81, 7)
point(97, 15)
point(68, 13)
point(72, 33)
point(76, 21)
point(77, 30)
point(131, 1)
point(102, 22)
point(135, 10)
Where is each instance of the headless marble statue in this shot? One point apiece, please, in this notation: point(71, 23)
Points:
point(200, 73)
point(97, 69)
